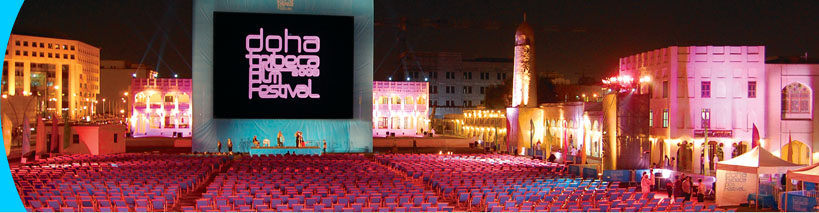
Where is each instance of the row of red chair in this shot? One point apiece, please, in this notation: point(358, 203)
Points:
point(119, 182)
point(298, 183)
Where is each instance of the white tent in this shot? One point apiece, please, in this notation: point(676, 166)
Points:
point(738, 177)
point(807, 174)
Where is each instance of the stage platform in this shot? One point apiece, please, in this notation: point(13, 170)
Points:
point(280, 150)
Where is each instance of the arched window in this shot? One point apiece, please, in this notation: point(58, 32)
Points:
point(396, 100)
point(422, 100)
point(409, 100)
point(796, 101)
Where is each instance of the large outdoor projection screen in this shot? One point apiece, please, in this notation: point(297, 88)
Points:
point(282, 66)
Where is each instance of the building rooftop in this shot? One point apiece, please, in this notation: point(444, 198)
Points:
point(791, 60)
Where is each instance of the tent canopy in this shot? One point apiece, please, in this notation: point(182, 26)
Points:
point(808, 173)
point(757, 161)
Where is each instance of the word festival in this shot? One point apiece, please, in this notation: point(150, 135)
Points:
point(273, 56)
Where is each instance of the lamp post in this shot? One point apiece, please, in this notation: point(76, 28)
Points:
point(705, 117)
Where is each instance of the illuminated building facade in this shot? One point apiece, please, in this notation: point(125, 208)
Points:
point(699, 90)
point(488, 126)
point(791, 119)
point(115, 80)
point(64, 73)
point(160, 107)
point(400, 109)
point(524, 88)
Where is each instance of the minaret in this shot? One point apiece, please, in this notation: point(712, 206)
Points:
point(524, 89)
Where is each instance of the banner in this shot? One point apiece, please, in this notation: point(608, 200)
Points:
point(589, 173)
point(733, 187)
point(617, 175)
point(797, 201)
point(574, 170)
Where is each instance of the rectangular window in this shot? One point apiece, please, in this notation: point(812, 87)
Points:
point(650, 118)
point(434, 89)
point(50, 46)
point(41, 44)
point(470, 90)
point(465, 90)
point(499, 76)
point(42, 54)
point(50, 55)
point(115, 138)
point(466, 75)
point(751, 89)
point(25, 43)
point(665, 118)
point(25, 53)
point(665, 89)
point(76, 139)
point(72, 56)
point(16, 43)
point(72, 47)
point(17, 52)
point(482, 89)
point(706, 118)
point(706, 89)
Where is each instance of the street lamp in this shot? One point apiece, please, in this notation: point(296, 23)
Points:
point(705, 115)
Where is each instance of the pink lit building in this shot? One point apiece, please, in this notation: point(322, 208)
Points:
point(720, 90)
point(400, 108)
point(791, 108)
point(160, 107)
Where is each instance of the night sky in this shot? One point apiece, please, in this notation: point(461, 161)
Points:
point(588, 37)
point(572, 37)
point(156, 33)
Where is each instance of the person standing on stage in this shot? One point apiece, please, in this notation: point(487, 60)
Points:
point(255, 142)
point(219, 146)
point(280, 139)
point(325, 145)
point(230, 146)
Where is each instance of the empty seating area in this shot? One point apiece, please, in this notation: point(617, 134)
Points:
point(497, 183)
point(329, 183)
point(121, 182)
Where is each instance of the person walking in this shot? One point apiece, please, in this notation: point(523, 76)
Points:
point(678, 186)
point(645, 184)
point(686, 188)
point(669, 187)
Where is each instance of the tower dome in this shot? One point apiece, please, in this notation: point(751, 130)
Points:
point(524, 34)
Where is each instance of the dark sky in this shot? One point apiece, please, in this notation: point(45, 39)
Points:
point(576, 37)
point(156, 33)
point(572, 37)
